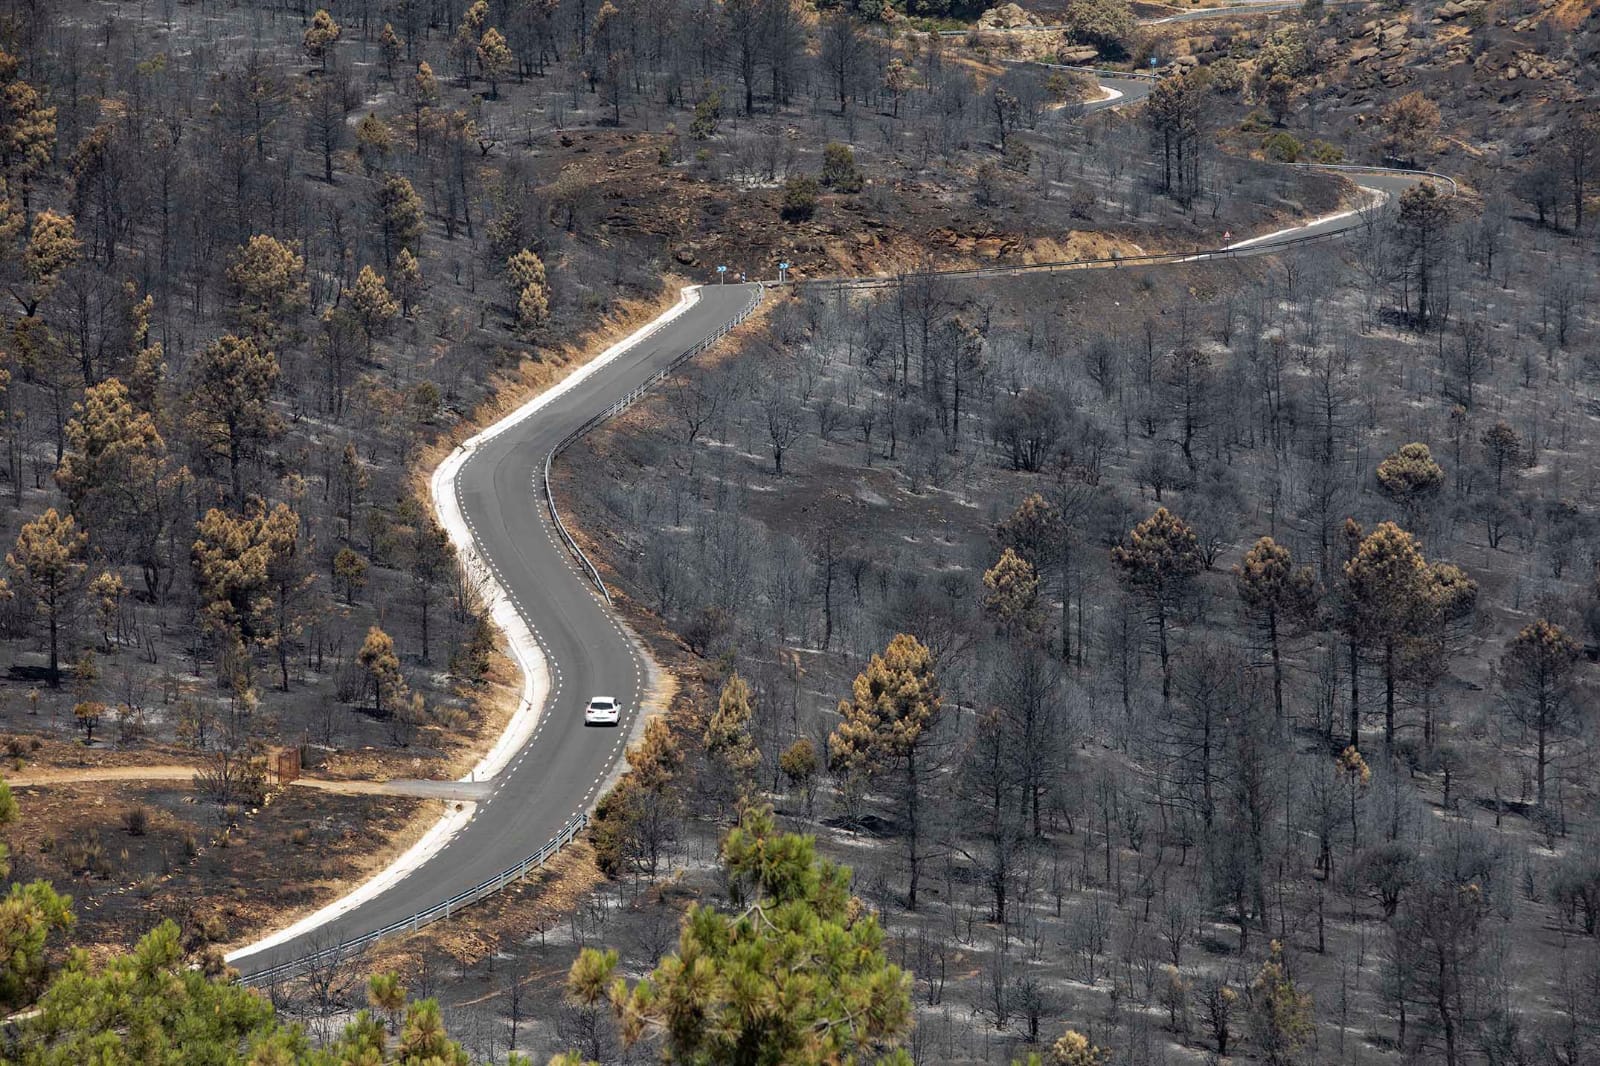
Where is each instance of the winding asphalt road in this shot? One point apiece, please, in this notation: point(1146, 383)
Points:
point(559, 771)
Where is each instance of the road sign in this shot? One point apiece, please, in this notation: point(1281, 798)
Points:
point(783, 272)
point(722, 274)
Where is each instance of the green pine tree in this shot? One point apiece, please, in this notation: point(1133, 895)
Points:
point(794, 972)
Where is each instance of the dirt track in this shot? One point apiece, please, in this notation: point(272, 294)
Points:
point(172, 772)
point(98, 773)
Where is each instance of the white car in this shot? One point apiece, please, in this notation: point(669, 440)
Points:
point(602, 710)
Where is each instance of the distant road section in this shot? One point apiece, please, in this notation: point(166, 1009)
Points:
point(1246, 7)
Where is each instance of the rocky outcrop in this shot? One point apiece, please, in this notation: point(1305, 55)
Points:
point(1455, 9)
point(1006, 17)
point(1534, 67)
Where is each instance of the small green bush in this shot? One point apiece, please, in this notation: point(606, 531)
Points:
point(1323, 152)
point(839, 170)
point(707, 118)
point(799, 199)
point(1256, 121)
point(1227, 76)
point(1018, 156)
point(1282, 147)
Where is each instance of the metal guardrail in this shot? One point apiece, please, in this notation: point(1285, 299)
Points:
point(561, 527)
point(1359, 168)
point(348, 948)
point(616, 409)
point(981, 30)
point(1200, 14)
point(1099, 72)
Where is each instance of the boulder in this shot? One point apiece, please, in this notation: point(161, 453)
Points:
point(1005, 17)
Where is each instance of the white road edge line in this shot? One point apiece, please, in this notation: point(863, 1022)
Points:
point(1375, 196)
point(530, 659)
point(436, 839)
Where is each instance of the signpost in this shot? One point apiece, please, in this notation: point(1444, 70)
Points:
point(783, 272)
point(722, 275)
